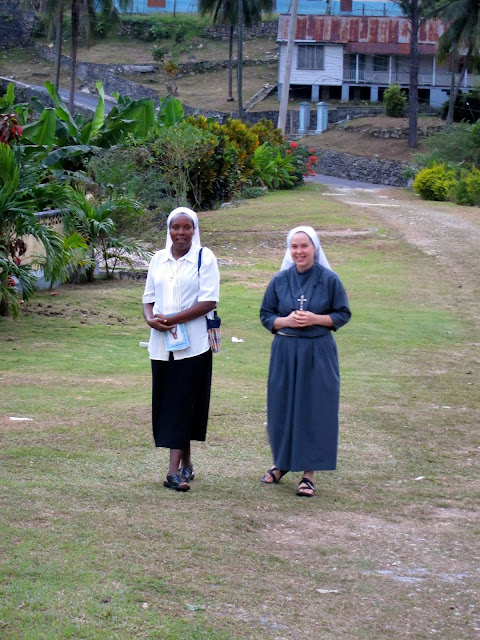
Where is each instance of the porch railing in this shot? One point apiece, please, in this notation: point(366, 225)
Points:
point(440, 79)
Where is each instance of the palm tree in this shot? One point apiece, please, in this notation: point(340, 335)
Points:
point(416, 11)
point(19, 191)
point(227, 12)
point(462, 36)
point(83, 14)
point(94, 224)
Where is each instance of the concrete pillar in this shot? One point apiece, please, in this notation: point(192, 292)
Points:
point(345, 92)
point(304, 117)
point(322, 117)
point(373, 94)
point(315, 92)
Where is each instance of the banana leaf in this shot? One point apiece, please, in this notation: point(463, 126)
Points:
point(54, 159)
point(99, 115)
point(42, 132)
point(170, 111)
point(62, 111)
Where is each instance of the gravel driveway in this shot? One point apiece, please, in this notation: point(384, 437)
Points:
point(447, 231)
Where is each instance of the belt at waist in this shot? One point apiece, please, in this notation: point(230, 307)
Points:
point(296, 335)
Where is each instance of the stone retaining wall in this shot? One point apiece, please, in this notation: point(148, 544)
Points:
point(373, 170)
point(396, 132)
point(268, 29)
point(15, 25)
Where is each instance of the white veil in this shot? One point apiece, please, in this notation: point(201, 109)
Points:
point(191, 214)
point(320, 257)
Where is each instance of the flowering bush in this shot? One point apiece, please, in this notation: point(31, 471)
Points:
point(10, 128)
point(303, 160)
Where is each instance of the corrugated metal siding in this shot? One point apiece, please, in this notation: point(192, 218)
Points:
point(385, 35)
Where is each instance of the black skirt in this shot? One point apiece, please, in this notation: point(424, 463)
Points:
point(181, 400)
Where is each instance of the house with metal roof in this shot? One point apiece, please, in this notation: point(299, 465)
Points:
point(358, 57)
point(328, 7)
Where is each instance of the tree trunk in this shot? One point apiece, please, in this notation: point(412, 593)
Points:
point(230, 97)
point(455, 88)
point(73, 70)
point(4, 310)
point(58, 56)
point(240, 58)
point(413, 90)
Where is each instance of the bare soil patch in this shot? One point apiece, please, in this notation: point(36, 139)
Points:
point(354, 137)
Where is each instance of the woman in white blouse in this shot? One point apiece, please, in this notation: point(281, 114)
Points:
point(181, 289)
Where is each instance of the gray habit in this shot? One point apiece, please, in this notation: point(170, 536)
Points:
point(304, 378)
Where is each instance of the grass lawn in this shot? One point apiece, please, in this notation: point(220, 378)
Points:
point(94, 548)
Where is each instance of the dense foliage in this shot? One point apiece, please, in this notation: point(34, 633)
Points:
point(395, 101)
point(115, 174)
point(451, 169)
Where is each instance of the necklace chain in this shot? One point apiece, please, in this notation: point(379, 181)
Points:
point(302, 298)
point(179, 266)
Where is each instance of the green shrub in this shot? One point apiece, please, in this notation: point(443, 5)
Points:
point(435, 183)
point(267, 132)
point(456, 146)
point(271, 169)
point(395, 101)
point(472, 183)
point(180, 33)
point(130, 172)
point(249, 193)
point(159, 53)
point(159, 31)
point(217, 176)
point(460, 194)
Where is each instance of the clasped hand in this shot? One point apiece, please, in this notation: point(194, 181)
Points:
point(301, 319)
point(161, 322)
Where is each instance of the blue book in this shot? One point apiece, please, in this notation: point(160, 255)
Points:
point(176, 338)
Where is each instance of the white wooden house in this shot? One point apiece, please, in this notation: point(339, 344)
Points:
point(358, 57)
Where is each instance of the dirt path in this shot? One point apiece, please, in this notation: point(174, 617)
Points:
point(449, 232)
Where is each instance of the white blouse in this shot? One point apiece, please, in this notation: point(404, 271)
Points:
point(175, 285)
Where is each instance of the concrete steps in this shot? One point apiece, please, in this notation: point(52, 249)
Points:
point(260, 95)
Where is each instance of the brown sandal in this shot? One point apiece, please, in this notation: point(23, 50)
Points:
point(303, 491)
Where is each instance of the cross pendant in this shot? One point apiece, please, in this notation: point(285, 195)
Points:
point(301, 300)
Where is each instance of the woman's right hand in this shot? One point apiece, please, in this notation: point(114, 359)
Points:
point(282, 322)
point(160, 323)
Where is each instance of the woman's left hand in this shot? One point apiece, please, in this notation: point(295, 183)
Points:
point(305, 318)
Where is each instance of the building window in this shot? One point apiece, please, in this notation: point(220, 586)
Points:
point(380, 63)
point(345, 5)
point(310, 56)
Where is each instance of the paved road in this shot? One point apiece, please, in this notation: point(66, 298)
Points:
point(82, 99)
point(332, 181)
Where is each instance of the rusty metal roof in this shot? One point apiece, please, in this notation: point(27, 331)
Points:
point(363, 34)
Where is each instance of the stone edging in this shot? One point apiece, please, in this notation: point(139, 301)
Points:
point(360, 168)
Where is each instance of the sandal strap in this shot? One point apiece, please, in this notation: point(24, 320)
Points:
point(308, 482)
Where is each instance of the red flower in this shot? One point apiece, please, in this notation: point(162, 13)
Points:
point(293, 145)
point(288, 151)
point(312, 150)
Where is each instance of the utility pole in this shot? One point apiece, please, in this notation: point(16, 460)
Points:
point(240, 58)
point(292, 27)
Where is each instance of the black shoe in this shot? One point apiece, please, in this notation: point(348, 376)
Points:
point(188, 473)
point(176, 482)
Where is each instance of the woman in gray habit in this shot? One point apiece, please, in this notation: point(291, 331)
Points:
point(302, 306)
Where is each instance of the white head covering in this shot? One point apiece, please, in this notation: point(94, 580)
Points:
point(320, 257)
point(191, 214)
